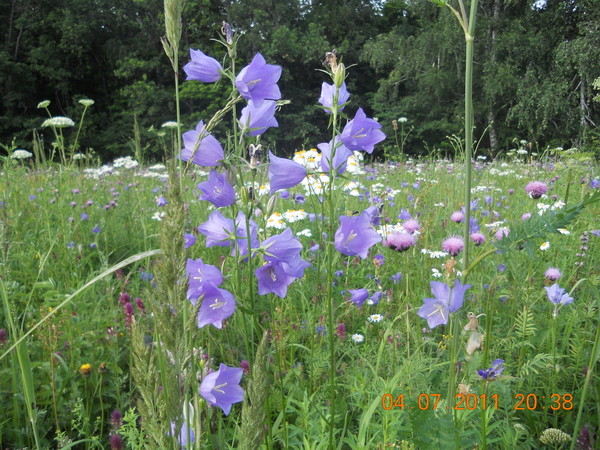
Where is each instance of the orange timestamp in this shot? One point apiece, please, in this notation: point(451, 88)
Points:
point(523, 402)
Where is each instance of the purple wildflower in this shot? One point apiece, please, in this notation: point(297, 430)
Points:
point(256, 119)
point(447, 300)
point(206, 150)
point(453, 245)
point(161, 201)
point(493, 372)
point(217, 190)
point(358, 296)
point(558, 295)
point(396, 278)
point(222, 388)
point(411, 225)
point(477, 238)
point(340, 158)
point(355, 236)
point(189, 239)
point(217, 305)
point(184, 434)
point(457, 216)
point(536, 189)
point(327, 96)
point(284, 173)
point(116, 442)
point(217, 230)
point(199, 274)
point(404, 214)
point(501, 233)
point(258, 81)
point(202, 68)
point(553, 274)
point(400, 241)
point(362, 133)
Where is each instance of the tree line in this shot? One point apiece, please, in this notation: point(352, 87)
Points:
point(535, 66)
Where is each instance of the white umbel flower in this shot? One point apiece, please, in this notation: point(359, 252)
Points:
point(21, 154)
point(58, 122)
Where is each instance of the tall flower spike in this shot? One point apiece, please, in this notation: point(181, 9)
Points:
point(258, 81)
point(222, 388)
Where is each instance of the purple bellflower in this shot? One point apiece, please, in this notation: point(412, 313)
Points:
point(217, 190)
point(558, 296)
point(242, 234)
point(340, 158)
point(447, 300)
point(327, 94)
point(217, 229)
point(362, 133)
point(358, 296)
point(256, 119)
point(205, 149)
point(284, 173)
point(202, 68)
point(189, 239)
point(258, 81)
point(222, 388)
point(182, 438)
point(355, 236)
point(217, 305)
point(273, 278)
point(493, 372)
point(199, 274)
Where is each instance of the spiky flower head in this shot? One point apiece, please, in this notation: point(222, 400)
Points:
point(536, 189)
point(453, 245)
point(553, 274)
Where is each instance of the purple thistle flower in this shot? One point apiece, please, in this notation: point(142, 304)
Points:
point(116, 442)
point(447, 300)
point(206, 149)
point(189, 239)
point(453, 245)
point(222, 388)
point(399, 241)
point(258, 81)
point(340, 159)
point(358, 296)
point(526, 216)
point(493, 372)
point(256, 119)
point(217, 305)
point(202, 68)
point(477, 238)
point(284, 173)
point(457, 217)
point(553, 274)
point(355, 236)
point(327, 94)
point(536, 189)
point(199, 274)
point(362, 133)
point(411, 225)
point(217, 190)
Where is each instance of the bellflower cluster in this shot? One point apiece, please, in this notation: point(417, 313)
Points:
point(283, 264)
point(447, 300)
point(203, 282)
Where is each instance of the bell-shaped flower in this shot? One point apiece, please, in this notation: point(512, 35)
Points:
point(199, 274)
point(340, 157)
point(202, 68)
point(242, 234)
point(217, 305)
point(217, 190)
point(258, 81)
point(328, 94)
point(284, 173)
point(222, 388)
point(273, 278)
point(558, 295)
point(437, 310)
point(358, 296)
point(362, 133)
point(355, 236)
point(217, 229)
point(256, 119)
point(202, 147)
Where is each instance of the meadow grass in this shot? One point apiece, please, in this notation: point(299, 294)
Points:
point(62, 228)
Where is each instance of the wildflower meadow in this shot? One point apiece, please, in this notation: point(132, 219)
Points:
point(235, 295)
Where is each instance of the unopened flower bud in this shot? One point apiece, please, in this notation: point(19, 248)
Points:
point(271, 205)
point(339, 75)
point(395, 125)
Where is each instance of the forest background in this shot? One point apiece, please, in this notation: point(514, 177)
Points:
point(535, 66)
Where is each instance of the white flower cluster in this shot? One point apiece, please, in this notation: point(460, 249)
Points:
point(58, 122)
point(127, 162)
point(21, 154)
